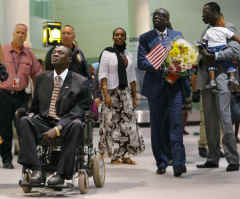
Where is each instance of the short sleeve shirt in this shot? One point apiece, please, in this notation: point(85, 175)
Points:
point(217, 36)
point(21, 65)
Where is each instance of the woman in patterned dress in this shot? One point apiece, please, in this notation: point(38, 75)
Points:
point(119, 133)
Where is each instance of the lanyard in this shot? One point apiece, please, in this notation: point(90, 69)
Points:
point(16, 65)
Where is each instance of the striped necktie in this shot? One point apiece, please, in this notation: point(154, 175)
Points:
point(55, 93)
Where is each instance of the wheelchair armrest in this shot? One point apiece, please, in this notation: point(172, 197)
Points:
point(20, 112)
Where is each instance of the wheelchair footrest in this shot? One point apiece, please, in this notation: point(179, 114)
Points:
point(43, 185)
point(26, 184)
point(63, 186)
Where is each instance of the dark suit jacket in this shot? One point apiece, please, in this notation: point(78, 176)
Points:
point(153, 80)
point(74, 98)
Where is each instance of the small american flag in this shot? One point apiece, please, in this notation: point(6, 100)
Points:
point(157, 55)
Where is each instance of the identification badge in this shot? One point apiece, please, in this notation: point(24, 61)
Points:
point(16, 82)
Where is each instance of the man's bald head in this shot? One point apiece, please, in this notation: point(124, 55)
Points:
point(162, 11)
point(61, 57)
point(161, 19)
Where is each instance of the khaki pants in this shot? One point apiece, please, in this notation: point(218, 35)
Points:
point(202, 142)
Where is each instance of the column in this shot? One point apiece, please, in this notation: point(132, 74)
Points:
point(1, 21)
point(139, 22)
point(15, 11)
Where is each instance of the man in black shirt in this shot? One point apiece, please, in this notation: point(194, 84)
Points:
point(79, 63)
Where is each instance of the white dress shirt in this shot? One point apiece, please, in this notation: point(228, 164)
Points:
point(62, 75)
point(162, 35)
point(108, 68)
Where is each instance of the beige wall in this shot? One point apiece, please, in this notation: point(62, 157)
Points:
point(186, 14)
point(1, 21)
point(93, 20)
point(14, 12)
point(96, 18)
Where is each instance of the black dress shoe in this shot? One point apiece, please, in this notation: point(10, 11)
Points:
point(36, 177)
point(222, 154)
point(161, 171)
point(202, 151)
point(179, 170)
point(232, 167)
point(207, 164)
point(56, 180)
point(237, 139)
point(8, 165)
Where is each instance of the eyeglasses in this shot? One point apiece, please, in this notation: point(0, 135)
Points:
point(157, 15)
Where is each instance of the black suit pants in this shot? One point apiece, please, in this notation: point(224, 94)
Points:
point(9, 103)
point(30, 130)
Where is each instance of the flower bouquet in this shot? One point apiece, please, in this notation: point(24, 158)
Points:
point(181, 60)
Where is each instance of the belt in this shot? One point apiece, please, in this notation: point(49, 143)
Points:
point(13, 92)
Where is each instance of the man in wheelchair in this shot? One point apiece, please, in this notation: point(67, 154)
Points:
point(61, 98)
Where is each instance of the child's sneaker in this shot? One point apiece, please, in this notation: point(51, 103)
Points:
point(212, 85)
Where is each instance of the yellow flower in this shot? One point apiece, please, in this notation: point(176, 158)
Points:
point(181, 46)
point(185, 50)
point(175, 45)
point(193, 57)
point(182, 55)
point(168, 60)
point(174, 52)
point(185, 59)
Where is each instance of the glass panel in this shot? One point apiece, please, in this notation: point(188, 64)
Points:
point(40, 12)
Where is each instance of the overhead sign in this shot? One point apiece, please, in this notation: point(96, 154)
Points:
point(51, 33)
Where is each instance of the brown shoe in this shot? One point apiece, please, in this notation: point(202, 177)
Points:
point(116, 162)
point(128, 161)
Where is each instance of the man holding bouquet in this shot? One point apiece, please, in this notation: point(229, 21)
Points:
point(165, 99)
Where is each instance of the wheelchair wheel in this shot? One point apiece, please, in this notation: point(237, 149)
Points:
point(26, 179)
point(98, 171)
point(83, 182)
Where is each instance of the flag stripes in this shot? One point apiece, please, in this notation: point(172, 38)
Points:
point(157, 55)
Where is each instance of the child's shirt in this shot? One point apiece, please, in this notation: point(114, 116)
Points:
point(217, 36)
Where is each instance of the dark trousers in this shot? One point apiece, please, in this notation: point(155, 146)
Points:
point(9, 103)
point(30, 130)
point(166, 127)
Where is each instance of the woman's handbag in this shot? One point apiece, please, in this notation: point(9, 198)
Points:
point(235, 106)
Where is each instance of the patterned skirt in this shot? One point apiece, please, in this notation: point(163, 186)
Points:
point(119, 132)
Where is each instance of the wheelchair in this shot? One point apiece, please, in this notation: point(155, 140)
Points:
point(88, 163)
